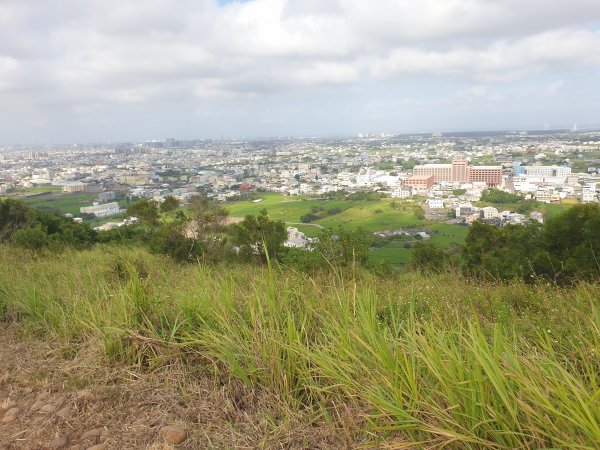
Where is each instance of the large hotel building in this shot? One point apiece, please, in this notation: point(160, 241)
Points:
point(460, 171)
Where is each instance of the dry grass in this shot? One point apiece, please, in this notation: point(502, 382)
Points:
point(132, 404)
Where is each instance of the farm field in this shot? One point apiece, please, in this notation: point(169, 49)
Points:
point(394, 254)
point(280, 207)
point(68, 203)
point(447, 234)
point(354, 213)
point(61, 203)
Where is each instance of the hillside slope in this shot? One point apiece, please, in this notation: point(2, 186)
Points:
point(77, 402)
point(257, 356)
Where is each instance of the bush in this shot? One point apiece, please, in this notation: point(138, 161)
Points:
point(170, 203)
point(259, 237)
point(344, 248)
point(564, 249)
point(307, 218)
point(493, 195)
point(426, 256)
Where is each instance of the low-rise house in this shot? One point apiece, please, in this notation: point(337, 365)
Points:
point(402, 192)
point(105, 210)
point(73, 187)
point(488, 213)
point(465, 209)
point(436, 203)
point(296, 239)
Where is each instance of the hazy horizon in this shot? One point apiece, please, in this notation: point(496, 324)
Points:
point(101, 71)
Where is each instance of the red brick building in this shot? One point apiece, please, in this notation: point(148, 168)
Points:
point(420, 182)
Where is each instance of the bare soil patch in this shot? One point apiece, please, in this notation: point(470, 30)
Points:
point(53, 399)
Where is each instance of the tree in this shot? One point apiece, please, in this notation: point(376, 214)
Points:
point(309, 217)
point(344, 248)
point(428, 257)
point(259, 236)
point(493, 195)
point(170, 203)
point(572, 240)
point(207, 216)
point(13, 216)
point(171, 239)
point(34, 238)
point(30, 228)
point(208, 224)
point(146, 211)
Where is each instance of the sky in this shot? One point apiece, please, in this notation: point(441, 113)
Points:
point(122, 70)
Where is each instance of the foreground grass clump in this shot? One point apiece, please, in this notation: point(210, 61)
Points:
point(437, 361)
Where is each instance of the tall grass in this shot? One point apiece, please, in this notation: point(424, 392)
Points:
point(428, 361)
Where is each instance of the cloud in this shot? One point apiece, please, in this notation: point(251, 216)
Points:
point(554, 88)
point(502, 60)
point(115, 52)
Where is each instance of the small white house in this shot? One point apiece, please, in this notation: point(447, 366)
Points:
point(436, 203)
point(488, 213)
point(296, 239)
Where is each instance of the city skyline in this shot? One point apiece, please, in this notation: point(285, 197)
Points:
point(114, 71)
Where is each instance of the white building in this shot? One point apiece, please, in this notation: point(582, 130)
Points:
point(488, 213)
point(436, 203)
point(402, 192)
point(544, 171)
point(296, 239)
point(589, 195)
point(106, 210)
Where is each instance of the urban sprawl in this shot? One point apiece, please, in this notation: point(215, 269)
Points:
point(440, 171)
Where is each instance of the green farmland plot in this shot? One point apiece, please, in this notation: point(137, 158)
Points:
point(280, 207)
point(372, 215)
point(61, 203)
point(391, 255)
point(447, 234)
point(69, 203)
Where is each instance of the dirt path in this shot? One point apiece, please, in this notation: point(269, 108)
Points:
point(321, 227)
point(52, 400)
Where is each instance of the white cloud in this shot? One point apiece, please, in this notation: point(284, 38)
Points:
point(554, 88)
point(150, 51)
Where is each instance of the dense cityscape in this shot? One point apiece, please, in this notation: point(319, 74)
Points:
point(549, 167)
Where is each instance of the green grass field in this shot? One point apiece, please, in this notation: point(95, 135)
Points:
point(280, 207)
point(447, 234)
point(354, 213)
point(363, 214)
point(403, 361)
point(553, 210)
point(61, 203)
point(40, 189)
point(69, 203)
point(396, 255)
